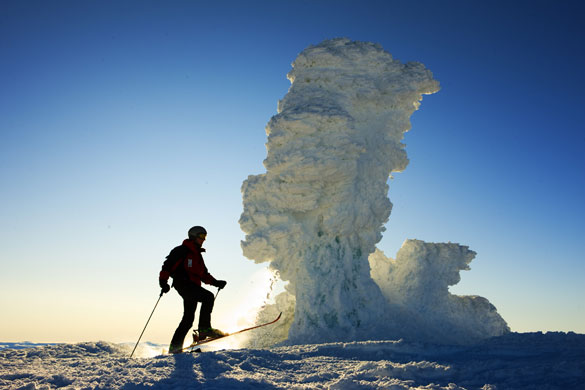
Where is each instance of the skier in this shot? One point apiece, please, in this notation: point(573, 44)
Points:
point(185, 265)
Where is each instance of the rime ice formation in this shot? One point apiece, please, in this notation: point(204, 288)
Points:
point(418, 281)
point(318, 212)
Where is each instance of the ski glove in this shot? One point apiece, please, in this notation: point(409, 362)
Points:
point(220, 284)
point(164, 285)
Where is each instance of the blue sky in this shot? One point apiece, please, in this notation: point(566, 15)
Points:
point(124, 123)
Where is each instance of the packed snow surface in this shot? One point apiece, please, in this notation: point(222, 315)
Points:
point(318, 212)
point(514, 361)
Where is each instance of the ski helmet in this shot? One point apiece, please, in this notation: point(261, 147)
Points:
point(197, 231)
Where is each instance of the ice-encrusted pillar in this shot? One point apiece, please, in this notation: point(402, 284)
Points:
point(319, 210)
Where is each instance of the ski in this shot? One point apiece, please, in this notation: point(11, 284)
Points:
point(208, 340)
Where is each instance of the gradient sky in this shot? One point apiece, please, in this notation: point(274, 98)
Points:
point(124, 123)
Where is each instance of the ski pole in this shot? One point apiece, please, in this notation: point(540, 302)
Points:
point(217, 293)
point(147, 321)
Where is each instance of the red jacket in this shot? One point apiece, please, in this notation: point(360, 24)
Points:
point(185, 264)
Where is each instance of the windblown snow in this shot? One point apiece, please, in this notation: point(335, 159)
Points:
point(318, 212)
point(513, 361)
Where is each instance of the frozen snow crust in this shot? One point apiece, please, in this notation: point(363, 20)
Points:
point(318, 212)
point(514, 361)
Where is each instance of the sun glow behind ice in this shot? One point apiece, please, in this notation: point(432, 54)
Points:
point(259, 293)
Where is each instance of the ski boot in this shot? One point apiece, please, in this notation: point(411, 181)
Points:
point(211, 333)
point(173, 349)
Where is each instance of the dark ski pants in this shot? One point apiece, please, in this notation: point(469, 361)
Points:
point(191, 294)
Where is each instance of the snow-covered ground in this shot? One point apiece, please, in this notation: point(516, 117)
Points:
point(512, 361)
